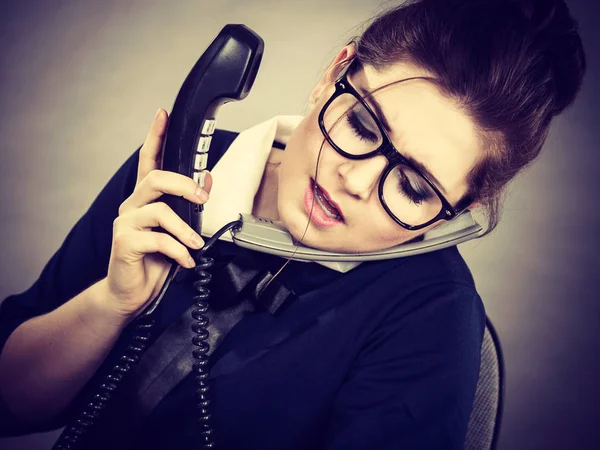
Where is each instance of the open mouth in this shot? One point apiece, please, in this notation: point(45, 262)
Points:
point(328, 206)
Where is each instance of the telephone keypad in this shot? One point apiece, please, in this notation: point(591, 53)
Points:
point(201, 157)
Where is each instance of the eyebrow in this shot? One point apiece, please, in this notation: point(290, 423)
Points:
point(379, 113)
point(425, 171)
point(417, 164)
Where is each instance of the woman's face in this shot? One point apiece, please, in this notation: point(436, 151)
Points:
point(425, 125)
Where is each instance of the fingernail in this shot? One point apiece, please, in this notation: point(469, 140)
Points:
point(196, 240)
point(201, 194)
point(157, 113)
point(191, 262)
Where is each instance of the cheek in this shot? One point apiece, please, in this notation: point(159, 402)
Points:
point(380, 231)
point(405, 235)
point(301, 153)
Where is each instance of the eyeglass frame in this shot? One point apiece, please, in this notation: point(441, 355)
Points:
point(387, 149)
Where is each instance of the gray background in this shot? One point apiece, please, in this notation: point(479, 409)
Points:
point(81, 80)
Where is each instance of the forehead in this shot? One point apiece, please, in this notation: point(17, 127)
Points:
point(425, 124)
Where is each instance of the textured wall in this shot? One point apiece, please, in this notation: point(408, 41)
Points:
point(80, 82)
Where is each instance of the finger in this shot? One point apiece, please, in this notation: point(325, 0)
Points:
point(208, 181)
point(159, 214)
point(150, 153)
point(133, 245)
point(159, 182)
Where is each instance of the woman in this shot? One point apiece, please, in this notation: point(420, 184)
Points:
point(383, 356)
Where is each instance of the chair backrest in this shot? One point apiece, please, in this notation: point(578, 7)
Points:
point(484, 423)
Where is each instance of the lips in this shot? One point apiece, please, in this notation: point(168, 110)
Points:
point(319, 208)
point(325, 202)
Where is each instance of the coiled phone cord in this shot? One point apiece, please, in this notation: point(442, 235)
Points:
point(73, 434)
point(199, 327)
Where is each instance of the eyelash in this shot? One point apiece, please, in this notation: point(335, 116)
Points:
point(416, 197)
point(359, 129)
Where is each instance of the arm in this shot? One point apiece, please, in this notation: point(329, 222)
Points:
point(49, 358)
point(42, 366)
point(55, 335)
point(413, 384)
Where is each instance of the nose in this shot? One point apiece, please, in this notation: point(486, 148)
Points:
point(360, 177)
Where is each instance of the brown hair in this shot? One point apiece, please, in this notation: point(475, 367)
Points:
point(512, 65)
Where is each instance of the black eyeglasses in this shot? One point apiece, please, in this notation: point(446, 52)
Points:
point(352, 128)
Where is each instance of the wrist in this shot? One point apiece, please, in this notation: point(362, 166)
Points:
point(99, 311)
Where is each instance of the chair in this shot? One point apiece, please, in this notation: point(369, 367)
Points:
point(486, 416)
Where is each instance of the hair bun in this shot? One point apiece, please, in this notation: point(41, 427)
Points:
point(539, 12)
point(555, 31)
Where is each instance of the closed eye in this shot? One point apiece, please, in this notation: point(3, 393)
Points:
point(359, 128)
point(415, 194)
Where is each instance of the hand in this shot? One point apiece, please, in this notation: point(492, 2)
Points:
point(137, 268)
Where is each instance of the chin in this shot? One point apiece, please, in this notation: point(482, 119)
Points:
point(295, 222)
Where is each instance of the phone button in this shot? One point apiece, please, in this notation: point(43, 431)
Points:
point(200, 161)
point(199, 178)
point(203, 144)
point(209, 127)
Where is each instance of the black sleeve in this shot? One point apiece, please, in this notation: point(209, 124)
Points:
point(413, 384)
point(81, 260)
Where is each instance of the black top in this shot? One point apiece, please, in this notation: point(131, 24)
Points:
point(384, 356)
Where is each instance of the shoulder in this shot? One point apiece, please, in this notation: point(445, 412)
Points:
point(441, 266)
point(421, 358)
point(416, 276)
point(430, 300)
point(434, 315)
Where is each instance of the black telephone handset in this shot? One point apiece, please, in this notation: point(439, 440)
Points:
point(225, 72)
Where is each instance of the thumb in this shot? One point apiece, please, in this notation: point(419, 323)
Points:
point(208, 182)
point(150, 153)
